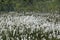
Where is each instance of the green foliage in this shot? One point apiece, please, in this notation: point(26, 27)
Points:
point(30, 5)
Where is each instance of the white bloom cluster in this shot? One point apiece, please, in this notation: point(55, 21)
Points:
point(17, 25)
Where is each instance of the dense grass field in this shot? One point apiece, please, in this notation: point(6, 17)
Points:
point(36, 26)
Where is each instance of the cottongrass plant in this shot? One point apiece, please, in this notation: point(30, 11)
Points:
point(28, 28)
